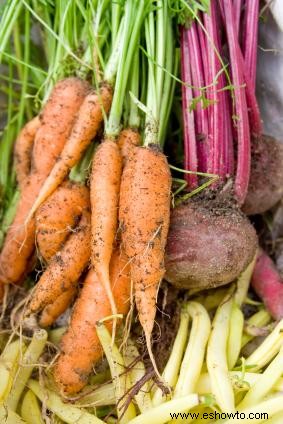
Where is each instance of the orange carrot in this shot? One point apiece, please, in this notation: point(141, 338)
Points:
point(55, 220)
point(80, 346)
point(23, 149)
point(104, 197)
point(88, 122)
point(58, 216)
point(57, 120)
point(128, 138)
point(144, 220)
point(52, 311)
point(65, 267)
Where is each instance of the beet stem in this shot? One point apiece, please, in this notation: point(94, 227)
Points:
point(190, 145)
point(237, 5)
point(240, 104)
point(216, 127)
point(248, 58)
point(250, 36)
point(201, 114)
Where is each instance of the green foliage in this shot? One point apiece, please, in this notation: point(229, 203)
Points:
point(201, 99)
point(187, 10)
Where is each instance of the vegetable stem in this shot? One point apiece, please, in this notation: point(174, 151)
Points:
point(190, 146)
point(241, 119)
point(134, 14)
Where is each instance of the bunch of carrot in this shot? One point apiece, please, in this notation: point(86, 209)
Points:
point(114, 231)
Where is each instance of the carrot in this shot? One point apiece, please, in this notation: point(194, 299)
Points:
point(144, 219)
point(88, 122)
point(23, 149)
point(52, 311)
point(80, 346)
point(57, 120)
point(58, 216)
point(104, 197)
point(65, 266)
point(128, 138)
point(19, 242)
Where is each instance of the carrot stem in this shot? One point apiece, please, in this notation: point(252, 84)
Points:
point(134, 14)
point(160, 53)
point(134, 117)
point(171, 68)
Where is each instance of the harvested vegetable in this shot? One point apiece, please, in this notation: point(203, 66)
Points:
point(57, 120)
point(145, 192)
point(104, 193)
point(86, 125)
point(107, 163)
point(23, 149)
point(80, 345)
point(144, 217)
point(58, 217)
point(266, 179)
point(214, 256)
point(65, 268)
point(212, 220)
point(268, 285)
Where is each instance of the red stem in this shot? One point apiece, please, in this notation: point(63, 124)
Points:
point(201, 114)
point(237, 5)
point(190, 145)
point(216, 122)
point(250, 36)
point(240, 105)
point(203, 47)
point(253, 108)
point(228, 137)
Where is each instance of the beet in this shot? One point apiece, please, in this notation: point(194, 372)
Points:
point(266, 178)
point(209, 244)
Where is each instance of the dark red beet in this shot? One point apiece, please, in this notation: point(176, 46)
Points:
point(266, 178)
point(209, 244)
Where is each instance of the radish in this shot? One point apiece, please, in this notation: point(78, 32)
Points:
point(268, 285)
point(210, 241)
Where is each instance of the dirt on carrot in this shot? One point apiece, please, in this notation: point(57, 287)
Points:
point(144, 221)
point(58, 216)
point(65, 267)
